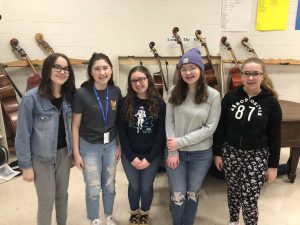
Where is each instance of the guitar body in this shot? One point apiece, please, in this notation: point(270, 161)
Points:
point(235, 80)
point(210, 75)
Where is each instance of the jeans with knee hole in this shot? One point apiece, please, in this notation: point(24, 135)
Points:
point(185, 182)
point(99, 174)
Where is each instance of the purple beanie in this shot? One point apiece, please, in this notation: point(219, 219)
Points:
point(191, 56)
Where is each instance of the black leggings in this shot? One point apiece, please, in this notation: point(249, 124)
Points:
point(245, 172)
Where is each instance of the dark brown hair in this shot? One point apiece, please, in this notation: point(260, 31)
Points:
point(152, 95)
point(45, 88)
point(180, 90)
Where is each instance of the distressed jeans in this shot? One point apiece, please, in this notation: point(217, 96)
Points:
point(99, 174)
point(140, 187)
point(185, 182)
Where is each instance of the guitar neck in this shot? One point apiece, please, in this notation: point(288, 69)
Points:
point(182, 50)
point(161, 72)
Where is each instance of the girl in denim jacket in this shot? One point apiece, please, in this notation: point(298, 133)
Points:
point(43, 139)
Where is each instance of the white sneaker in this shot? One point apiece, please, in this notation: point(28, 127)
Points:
point(110, 220)
point(233, 223)
point(95, 222)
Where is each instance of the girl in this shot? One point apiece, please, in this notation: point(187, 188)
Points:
point(94, 133)
point(43, 139)
point(141, 121)
point(247, 141)
point(193, 112)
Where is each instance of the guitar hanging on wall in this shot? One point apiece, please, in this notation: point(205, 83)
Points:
point(210, 74)
point(234, 72)
point(159, 79)
point(34, 80)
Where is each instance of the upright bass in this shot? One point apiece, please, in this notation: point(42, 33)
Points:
point(245, 43)
point(179, 41)
point(159, 79)
point(234, 72)
point(210, 74)
point(34, 80)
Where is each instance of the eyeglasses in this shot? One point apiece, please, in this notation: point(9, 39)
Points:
point(140, 80)
point(190, 69)
point(59, 68)
point(254, 74)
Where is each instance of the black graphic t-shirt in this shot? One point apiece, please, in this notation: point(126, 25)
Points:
point(250, 123)
point(145, 136)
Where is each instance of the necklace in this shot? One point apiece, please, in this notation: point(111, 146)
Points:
point(60, 110)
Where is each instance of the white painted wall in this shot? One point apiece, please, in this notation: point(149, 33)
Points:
point(125, 27)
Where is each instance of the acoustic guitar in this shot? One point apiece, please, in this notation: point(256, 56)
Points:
point(234, 72)
point(34, 80)
point(210, 74)
point(159, 79)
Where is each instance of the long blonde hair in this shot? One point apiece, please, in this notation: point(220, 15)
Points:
point(267, 83)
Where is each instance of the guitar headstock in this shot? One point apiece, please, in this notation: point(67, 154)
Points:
point(14, 43)
point(176, 35)
point(225, 43)
point(200, 38)
point(40, 39)
point(153, 50)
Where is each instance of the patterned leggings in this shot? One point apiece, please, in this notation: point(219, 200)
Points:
point(245, 172)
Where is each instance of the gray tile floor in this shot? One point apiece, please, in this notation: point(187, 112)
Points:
point(279, 203)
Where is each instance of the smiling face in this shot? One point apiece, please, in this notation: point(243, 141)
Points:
point(60, 72)
point(190, 73)
point(252, 83)
point(139, 84)
point(101, 72)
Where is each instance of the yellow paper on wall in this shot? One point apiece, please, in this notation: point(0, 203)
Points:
point(272, 14)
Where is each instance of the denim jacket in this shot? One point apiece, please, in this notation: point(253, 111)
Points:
point(37, 129)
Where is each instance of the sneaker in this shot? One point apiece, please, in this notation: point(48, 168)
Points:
point(110, 220)
point(95, 222)
point(233, 223)
point(144, 218)
point(134, 218)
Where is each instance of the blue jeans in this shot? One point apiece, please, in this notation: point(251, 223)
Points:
point(99, 174)
point(185, 182)
point(140, 186)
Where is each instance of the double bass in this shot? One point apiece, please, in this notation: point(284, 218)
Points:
point(234, 72)
point(178, 40)
point(9, 104)
point(159, 79)
point(245, 43)
point(210, 74)
point(34, 80)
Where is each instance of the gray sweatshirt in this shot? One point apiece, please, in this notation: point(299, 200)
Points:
point(193, 125)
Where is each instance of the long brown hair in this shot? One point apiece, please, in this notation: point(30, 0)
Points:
point(267, 82)
point(152, 95)
point(180, 90)
point(45, 88)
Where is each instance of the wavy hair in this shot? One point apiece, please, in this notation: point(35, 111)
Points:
point(267, 82)
point(152, 95)
point(45, 88)
point(180, 90)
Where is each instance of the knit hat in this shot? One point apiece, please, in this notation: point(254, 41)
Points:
point(191, 56)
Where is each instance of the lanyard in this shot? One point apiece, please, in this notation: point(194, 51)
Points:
point(105, 117)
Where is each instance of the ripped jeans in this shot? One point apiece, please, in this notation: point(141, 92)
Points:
point(99, 174)
point(185, 182)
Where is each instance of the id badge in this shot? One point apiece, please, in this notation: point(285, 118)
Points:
point(106, 138)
